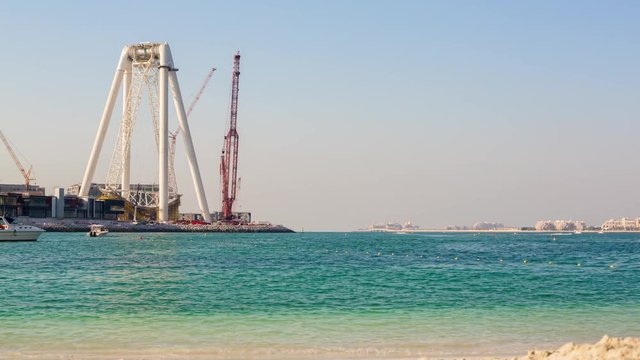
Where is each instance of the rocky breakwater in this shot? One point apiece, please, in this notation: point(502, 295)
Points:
point(68, 225)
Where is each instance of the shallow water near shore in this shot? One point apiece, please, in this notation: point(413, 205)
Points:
point(322, 295)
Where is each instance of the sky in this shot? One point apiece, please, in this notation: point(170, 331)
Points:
point(351, 112)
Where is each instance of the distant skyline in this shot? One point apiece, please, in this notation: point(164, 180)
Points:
point(352, 112)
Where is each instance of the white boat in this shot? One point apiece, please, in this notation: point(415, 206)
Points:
point(97, 230)
point(11, 231)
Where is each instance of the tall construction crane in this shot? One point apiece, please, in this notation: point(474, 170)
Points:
point(173, 135)
point(230, 150)
point(25, 174)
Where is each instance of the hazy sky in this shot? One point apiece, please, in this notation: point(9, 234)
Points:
point(352, 112)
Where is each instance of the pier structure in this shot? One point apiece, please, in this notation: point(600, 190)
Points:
point(144, 66)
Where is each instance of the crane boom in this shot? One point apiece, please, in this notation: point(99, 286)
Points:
point(173, 136)
point(230, 150)
point(204, 86)
point(25, 174)
point(196, 98)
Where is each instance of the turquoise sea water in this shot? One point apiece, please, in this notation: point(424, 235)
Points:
point(321, 295)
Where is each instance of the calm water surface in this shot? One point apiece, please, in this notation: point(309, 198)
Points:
point(322, 295)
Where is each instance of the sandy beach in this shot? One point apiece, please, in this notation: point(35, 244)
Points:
point(607, 348)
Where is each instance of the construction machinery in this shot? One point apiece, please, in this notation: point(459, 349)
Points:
point(229, 157)
point(25, 174)
point(173, 184)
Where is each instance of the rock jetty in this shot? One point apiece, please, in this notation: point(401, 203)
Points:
point(75, 225)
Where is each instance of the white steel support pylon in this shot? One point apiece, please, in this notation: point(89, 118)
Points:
point(126, 157)
point(143, 65)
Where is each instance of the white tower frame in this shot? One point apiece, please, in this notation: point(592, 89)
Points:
point(155, 60)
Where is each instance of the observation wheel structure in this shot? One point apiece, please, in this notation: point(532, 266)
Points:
point(145, 68)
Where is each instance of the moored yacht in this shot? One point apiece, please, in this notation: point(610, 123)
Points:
point(11, 231)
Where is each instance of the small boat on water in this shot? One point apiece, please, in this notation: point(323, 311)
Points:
point(97, 230)
point(12, 231)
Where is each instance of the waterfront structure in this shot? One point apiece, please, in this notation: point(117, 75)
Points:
point(15, 204)
point(623, 224)
point(150, 66)
point(15, 188)
point(143, 208)
point(560, 225)
point(24, 204)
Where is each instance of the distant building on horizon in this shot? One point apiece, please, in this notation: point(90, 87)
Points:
point(392, 227)
point(456, 227)
point(624, 223)
point(560, 225)
point(485, 225)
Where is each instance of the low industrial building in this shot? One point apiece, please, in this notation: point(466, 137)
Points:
point(21, 188)
point(18, 204)
point(22, 203)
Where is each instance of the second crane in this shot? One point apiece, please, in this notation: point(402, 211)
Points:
point(229, 157)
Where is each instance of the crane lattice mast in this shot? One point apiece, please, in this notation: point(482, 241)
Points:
point(229, 169)
point(25, 174)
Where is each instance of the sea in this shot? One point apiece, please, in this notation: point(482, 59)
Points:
point(314, 295)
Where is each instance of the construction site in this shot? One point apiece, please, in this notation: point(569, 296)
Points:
point(144, 72)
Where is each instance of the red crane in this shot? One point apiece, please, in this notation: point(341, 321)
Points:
point(230, 149)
